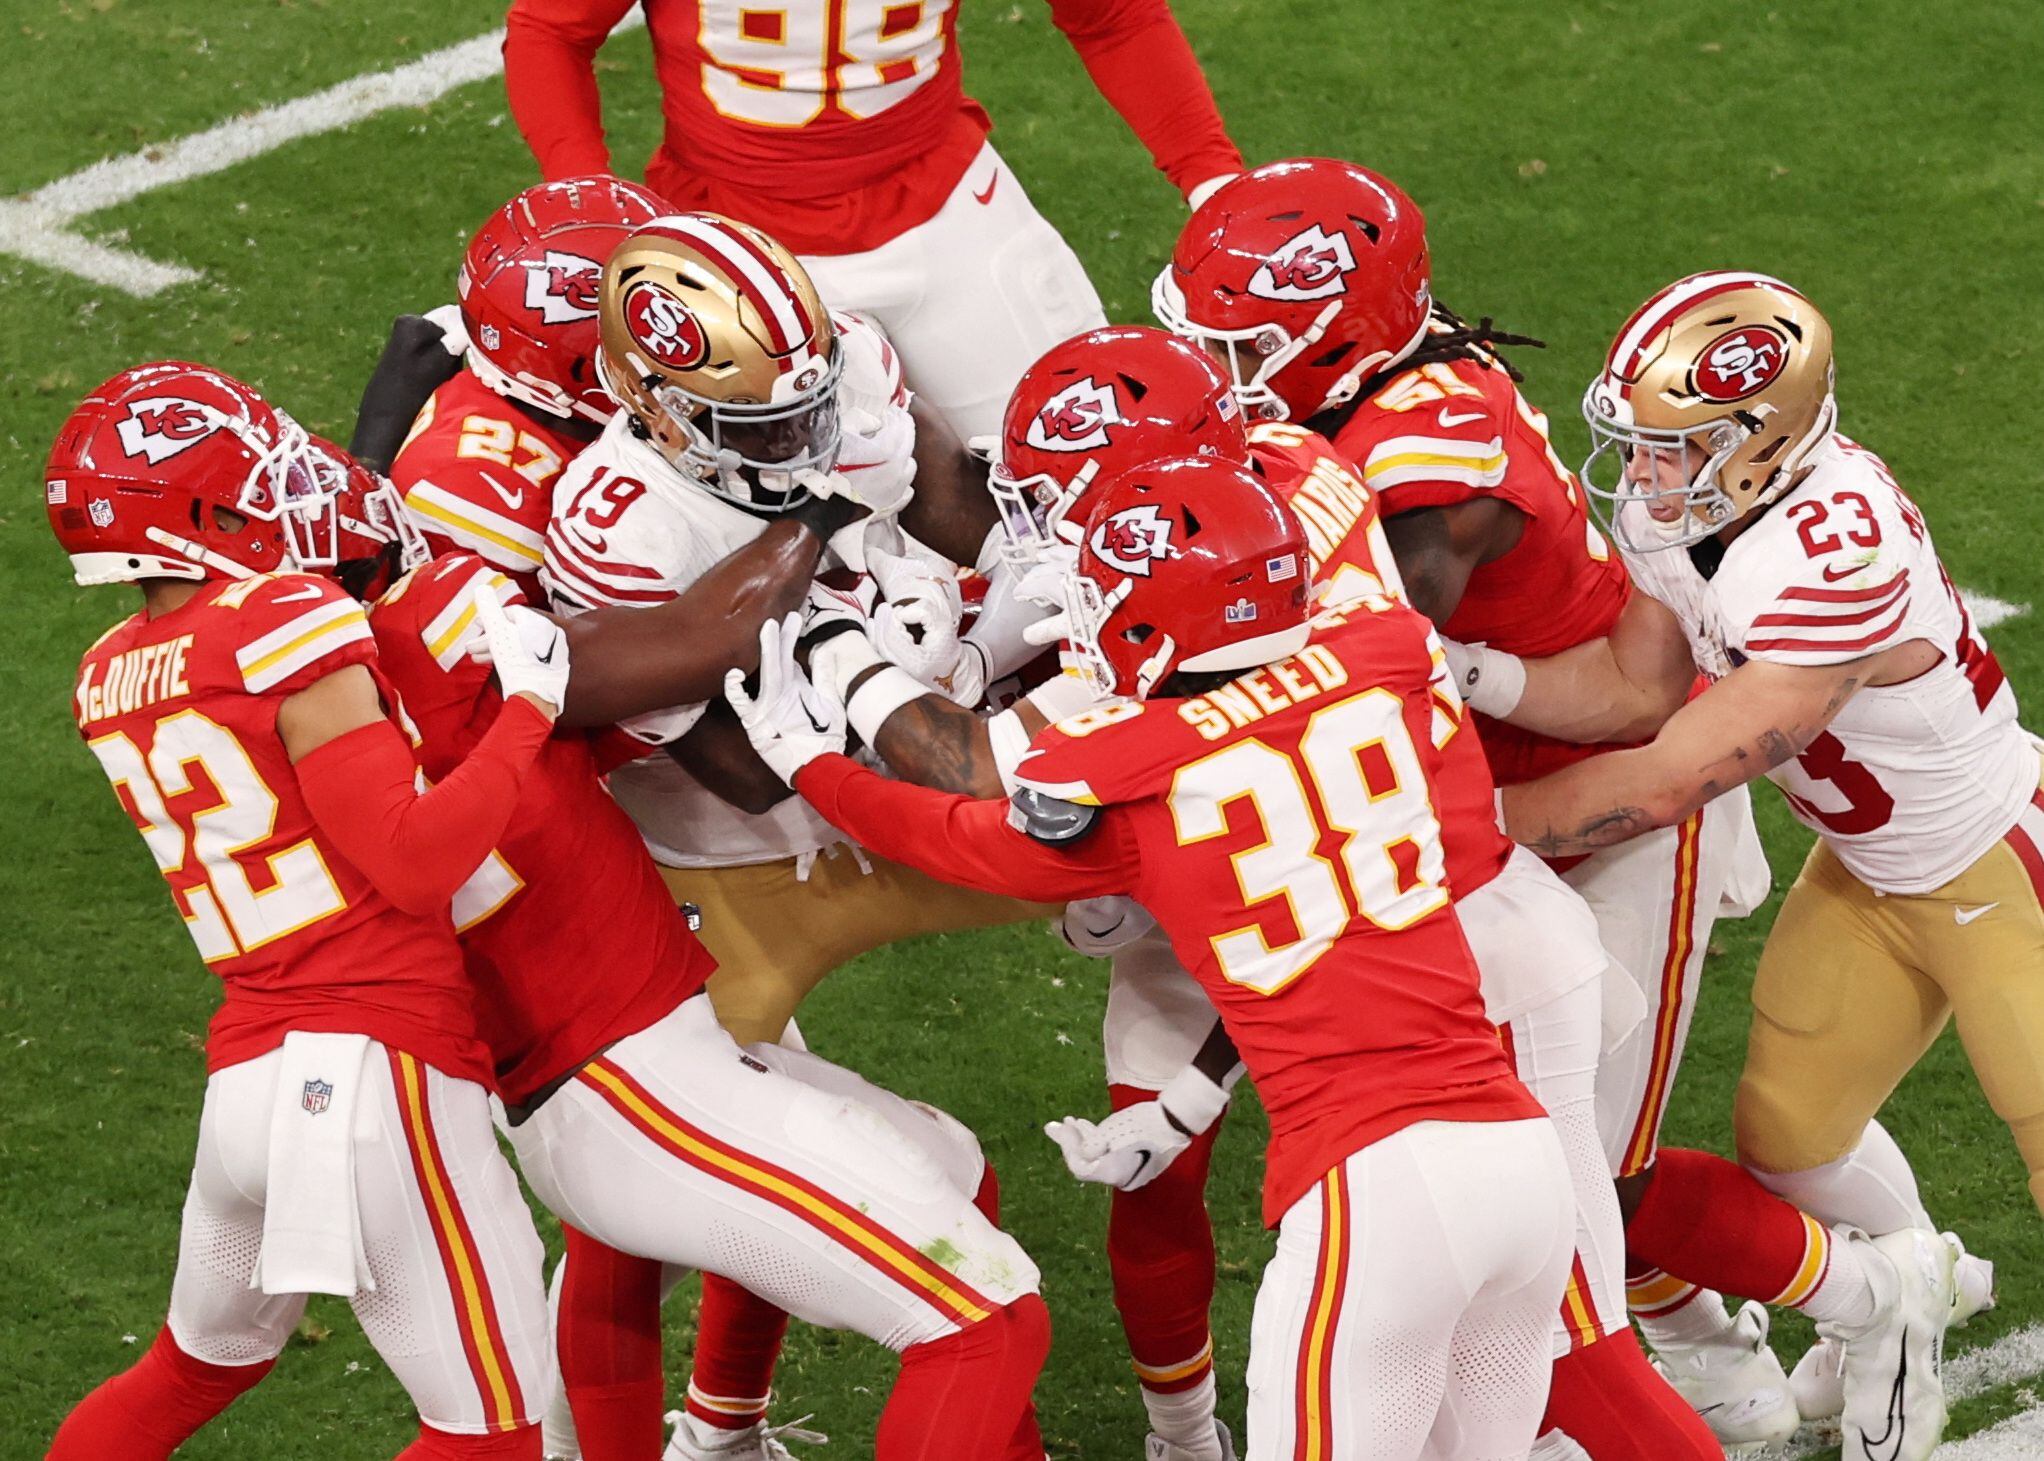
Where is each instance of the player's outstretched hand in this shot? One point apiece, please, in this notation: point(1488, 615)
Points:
point(917, 626)
point(527, 650)
point(790, 723)
point(1127, 1150)
point(1045, 582)
point(876, 462)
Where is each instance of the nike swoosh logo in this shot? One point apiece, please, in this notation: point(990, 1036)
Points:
point(298, 595)
point(1451, 419)
point(988, 195)
point(1849, 570)
point(548, 657)
point(512, 500)
point(1964, 916)
point(1881, 1447)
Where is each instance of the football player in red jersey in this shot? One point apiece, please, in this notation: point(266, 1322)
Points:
point(513, 391)
point(644, 1126)
point(1092, 408)
point(1266, 790)
point(1310, 280)
point(346, 1144)
point(840, 127)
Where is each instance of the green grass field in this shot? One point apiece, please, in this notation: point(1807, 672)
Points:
point(1571, 157)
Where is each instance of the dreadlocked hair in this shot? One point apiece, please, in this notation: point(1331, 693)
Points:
point(1450, 337)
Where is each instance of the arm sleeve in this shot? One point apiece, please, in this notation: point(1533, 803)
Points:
point(964, 841)
point(418, 847)
point(1141, 62)
point(550, 51)
point(416, 362)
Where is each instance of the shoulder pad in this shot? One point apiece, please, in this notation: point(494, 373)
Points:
point(1048, 819)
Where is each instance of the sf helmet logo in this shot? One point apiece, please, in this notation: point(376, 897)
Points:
point(1309, 265)
point(1076, 418)
point(662, 326)
point(562, 287)
point(159, 427)
point(1133, 539)
point(1740, 363)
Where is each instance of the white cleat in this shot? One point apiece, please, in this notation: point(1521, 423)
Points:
point(1972, 1282)
point(1818, 1381)
point(1894, 1388)
point(1156, 1448)
point(694, 1441)
point(1736, 1384)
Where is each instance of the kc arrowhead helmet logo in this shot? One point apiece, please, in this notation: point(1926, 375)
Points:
point(1313, 264)
point(562, 287)
point(1076, 418)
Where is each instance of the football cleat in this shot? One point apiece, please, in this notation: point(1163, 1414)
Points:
point(1894, 1388)
point(1818, 1381)
point(693, 1440)
point(1972, 1282)
point(1156, 1448)
point(1736, 1384)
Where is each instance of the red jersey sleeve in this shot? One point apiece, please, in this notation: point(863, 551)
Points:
point(964, 841)
point(550, 78)
point(1439, 435)
point(424, 628)
point(1140, 60)
point(293, 630)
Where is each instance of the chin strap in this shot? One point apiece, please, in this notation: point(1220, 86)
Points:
point(201, 555)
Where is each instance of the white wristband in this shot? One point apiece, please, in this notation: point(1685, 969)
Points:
point(879, 697)
point(1493, 682)
point(1192, 1100)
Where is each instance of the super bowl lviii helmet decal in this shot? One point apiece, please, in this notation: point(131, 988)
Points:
point(528, 291)
point(174, 470)
point(717, 344)
point(1714, 393)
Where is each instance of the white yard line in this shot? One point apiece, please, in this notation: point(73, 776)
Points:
point(2018, 1355)
point(1988, 611)
point(38, 227)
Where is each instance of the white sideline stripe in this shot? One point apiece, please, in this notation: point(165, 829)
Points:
point(37, 228)
point(1988, 611)
point(2017, 1355)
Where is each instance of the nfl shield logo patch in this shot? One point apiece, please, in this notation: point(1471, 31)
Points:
point(318, 1094)
point(101, 512)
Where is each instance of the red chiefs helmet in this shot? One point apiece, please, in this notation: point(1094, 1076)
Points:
point(1095, 406)
point(1312, 269)
point(1188, 563)
point(172, 470)
point(528, 289)
point(375, 541)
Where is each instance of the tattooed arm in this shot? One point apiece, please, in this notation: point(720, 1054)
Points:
point(1750, 722)
point(936, 743)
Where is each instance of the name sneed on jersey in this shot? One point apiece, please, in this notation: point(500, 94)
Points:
point(1312, 671)
point(133, 679)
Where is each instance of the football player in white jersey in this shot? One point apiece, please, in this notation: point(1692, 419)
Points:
point(1781, 560)
point(743, 399)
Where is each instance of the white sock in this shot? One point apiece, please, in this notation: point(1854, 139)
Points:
point(1845, 1296)
point(1702, 1320)
point(1185, 1418)
point(1871, 1187)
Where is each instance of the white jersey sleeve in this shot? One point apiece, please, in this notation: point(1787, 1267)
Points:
point(1912, 781)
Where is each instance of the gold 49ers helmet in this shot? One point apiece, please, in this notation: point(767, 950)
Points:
point(1715, 392)
point(716, 343)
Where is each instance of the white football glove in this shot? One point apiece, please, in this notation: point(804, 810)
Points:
point(1044, 583)
point(1488, 680)
point(876, 461)
point(1134, 1145)
point(527, 650)
point(790, 723)
point(917, 625)
point(1096, 927)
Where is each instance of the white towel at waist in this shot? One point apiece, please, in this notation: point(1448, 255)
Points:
point(312, 1228)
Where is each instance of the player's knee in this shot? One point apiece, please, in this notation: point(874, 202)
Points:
point(1028, 1331)
point(520, 1444)
point(1773, 1131)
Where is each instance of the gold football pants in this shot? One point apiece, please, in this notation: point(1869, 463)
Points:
point(774, 935)
point(1854, 985)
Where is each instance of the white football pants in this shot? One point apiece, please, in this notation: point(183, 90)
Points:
point(971, 297)
point(1656, 899)
point(458, 1310)
point(1406, 1313)
point(841, 1203)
